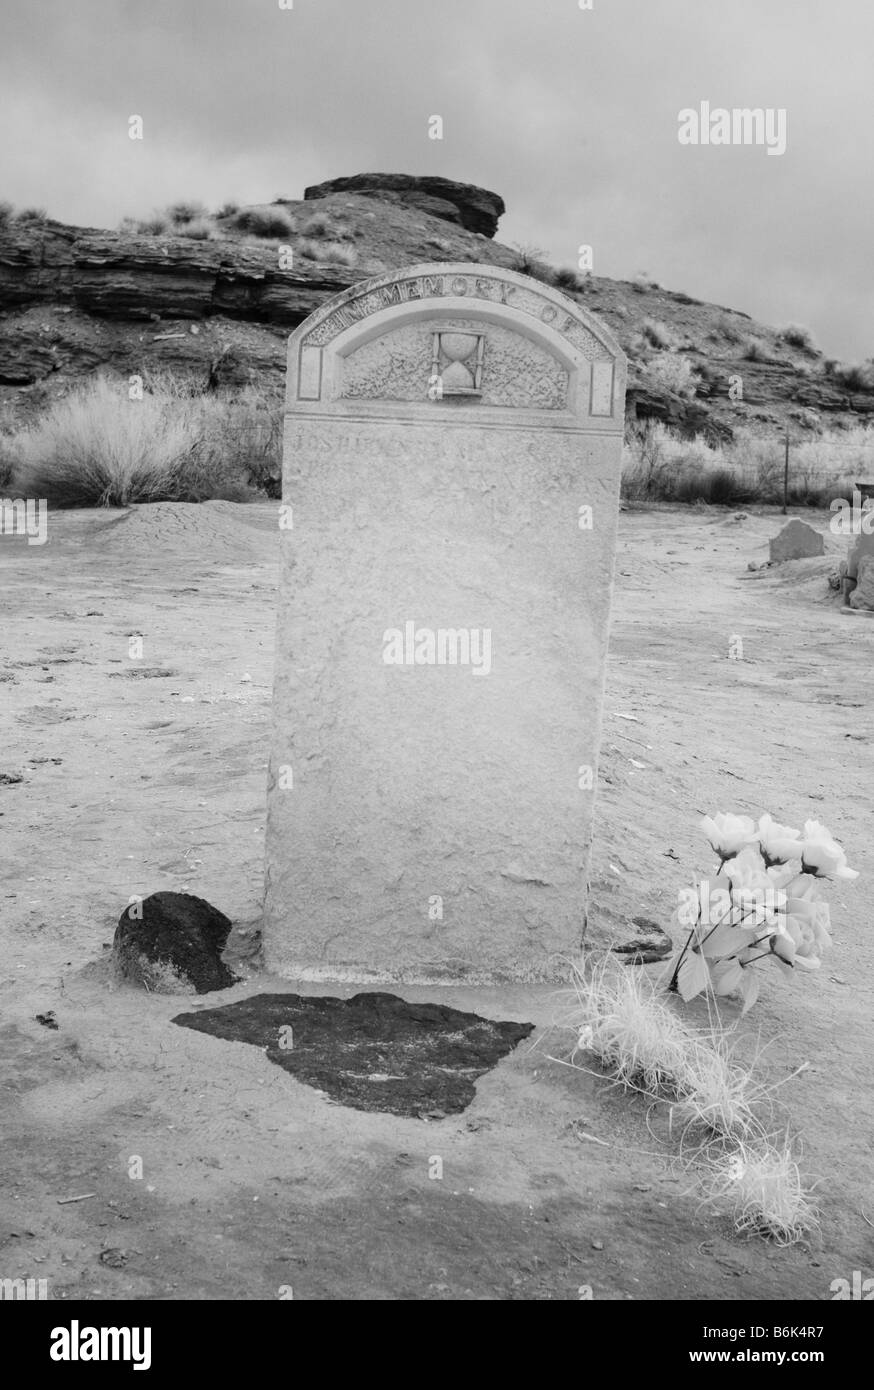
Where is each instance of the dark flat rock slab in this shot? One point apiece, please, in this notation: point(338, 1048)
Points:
point(371, 1052)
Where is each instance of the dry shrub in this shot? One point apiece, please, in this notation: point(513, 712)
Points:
point(760, 1182)
point(626, 1022)
point(672, 373)
point(657, 334)
point(181, 213)
point(797, 336)
point(854, 376)
point(271, 223)
point(327, 252)
point(199, 229)
point(97, 447)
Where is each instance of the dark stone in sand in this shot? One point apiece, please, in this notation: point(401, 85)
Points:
point(178, 931)
point(370, 1052)
point(648, 944)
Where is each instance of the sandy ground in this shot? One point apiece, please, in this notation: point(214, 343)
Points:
point(150, 774)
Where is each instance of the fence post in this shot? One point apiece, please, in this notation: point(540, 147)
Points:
point(786, 474)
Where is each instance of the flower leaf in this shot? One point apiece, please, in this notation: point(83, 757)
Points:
point(693, 977)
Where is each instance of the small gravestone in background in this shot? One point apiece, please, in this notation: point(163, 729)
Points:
point(797, 541)
point(862, 596)
point(450, 494)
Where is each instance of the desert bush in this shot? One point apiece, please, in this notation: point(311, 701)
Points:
point(246, 428)
point(180, 213)
point(642, 283)
point(97, 447)
point(32, 215)
point(657, 334)
point(719, 487)
point(7, 212)
point(646, 467)
point(531, 260)
point(199, 229)
point(228, 210)
point(672, 373)
point(756, 351)
point(854, 376)
point(797, 336)
point(730, 332)
point(716, 1098)
point(327, 252)
point(157, 225)
point(320, 227)
point(568, 279)
point(658, 465)
point(264, 222)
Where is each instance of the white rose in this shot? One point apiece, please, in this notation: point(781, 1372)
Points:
point(728, 834)
point(779, 842)
point(822, 856)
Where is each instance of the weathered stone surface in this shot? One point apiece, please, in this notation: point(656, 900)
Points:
point(863, 594)
point(477, 209)
point(646, 942)
point(442, 498)
point(175, 946)
point(113, 275)
point(860, 547)
point(371, 1052)
point(797, 541)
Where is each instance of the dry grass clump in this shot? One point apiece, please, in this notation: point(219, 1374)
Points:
point(182, 213)
point(797, 336)
point(567, 279)
point(662, 466)
point(657, 334)
point(158, 225)
point(672, 373)
point(762, 1185)
point(97, 447)
point(633, 1030)
point(319, 227)
point(640, 1039)
point(532, 260)
point(853, 376)
point(327, 252)
point(198, 229)
point(32, 215)
point(272, 223)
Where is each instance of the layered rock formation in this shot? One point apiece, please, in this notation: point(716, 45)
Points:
point(218, 311)
point(476, 209)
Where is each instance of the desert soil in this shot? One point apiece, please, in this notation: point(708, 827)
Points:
point(139, 775)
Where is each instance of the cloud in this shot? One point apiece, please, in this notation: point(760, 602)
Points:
point(571, 115)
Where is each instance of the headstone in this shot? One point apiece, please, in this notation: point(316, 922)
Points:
point(860, 546)
point(451, 477)
point(797, 541)
point(863, 594)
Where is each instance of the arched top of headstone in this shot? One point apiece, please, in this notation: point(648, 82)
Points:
point(458, 343)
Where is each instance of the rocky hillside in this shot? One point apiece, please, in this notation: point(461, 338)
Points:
point(208, 296)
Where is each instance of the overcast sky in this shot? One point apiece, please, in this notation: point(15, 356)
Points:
point(571, 115)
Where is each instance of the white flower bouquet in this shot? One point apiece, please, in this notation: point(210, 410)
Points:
point(762, 905)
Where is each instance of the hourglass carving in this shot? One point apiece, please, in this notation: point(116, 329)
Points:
point(457, 362)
